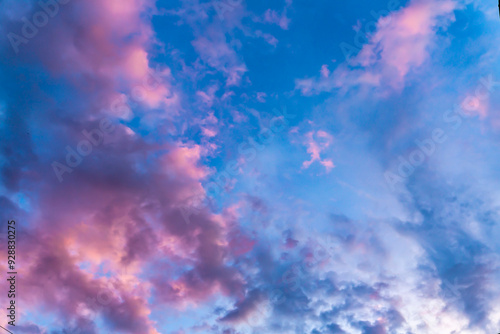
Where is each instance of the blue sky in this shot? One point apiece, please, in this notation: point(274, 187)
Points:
point(237, 166)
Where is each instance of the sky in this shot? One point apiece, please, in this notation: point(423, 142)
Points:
point(249, 166)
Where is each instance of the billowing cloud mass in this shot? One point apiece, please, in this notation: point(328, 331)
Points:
point(251, 167)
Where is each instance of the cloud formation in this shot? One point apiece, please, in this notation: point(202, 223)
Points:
point(120, 117)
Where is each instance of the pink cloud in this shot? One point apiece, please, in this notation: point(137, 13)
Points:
point(475, 106)
point(217, 53)
point(184, 161)
point(325, 72)
point(402, 42)
point(261, 97)
point(209, 132)
point(121, 220)
point(103, 47)
point(120, 211)
point(273, 17)
point(270, 39)
point(208, 96)
point(315, 146)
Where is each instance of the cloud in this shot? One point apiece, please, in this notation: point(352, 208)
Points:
point(403, 41)
point(129, 241)
point(216, 52)
point(273, 17)
point(315, 147)
point(244, 308)
point(119, 210)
